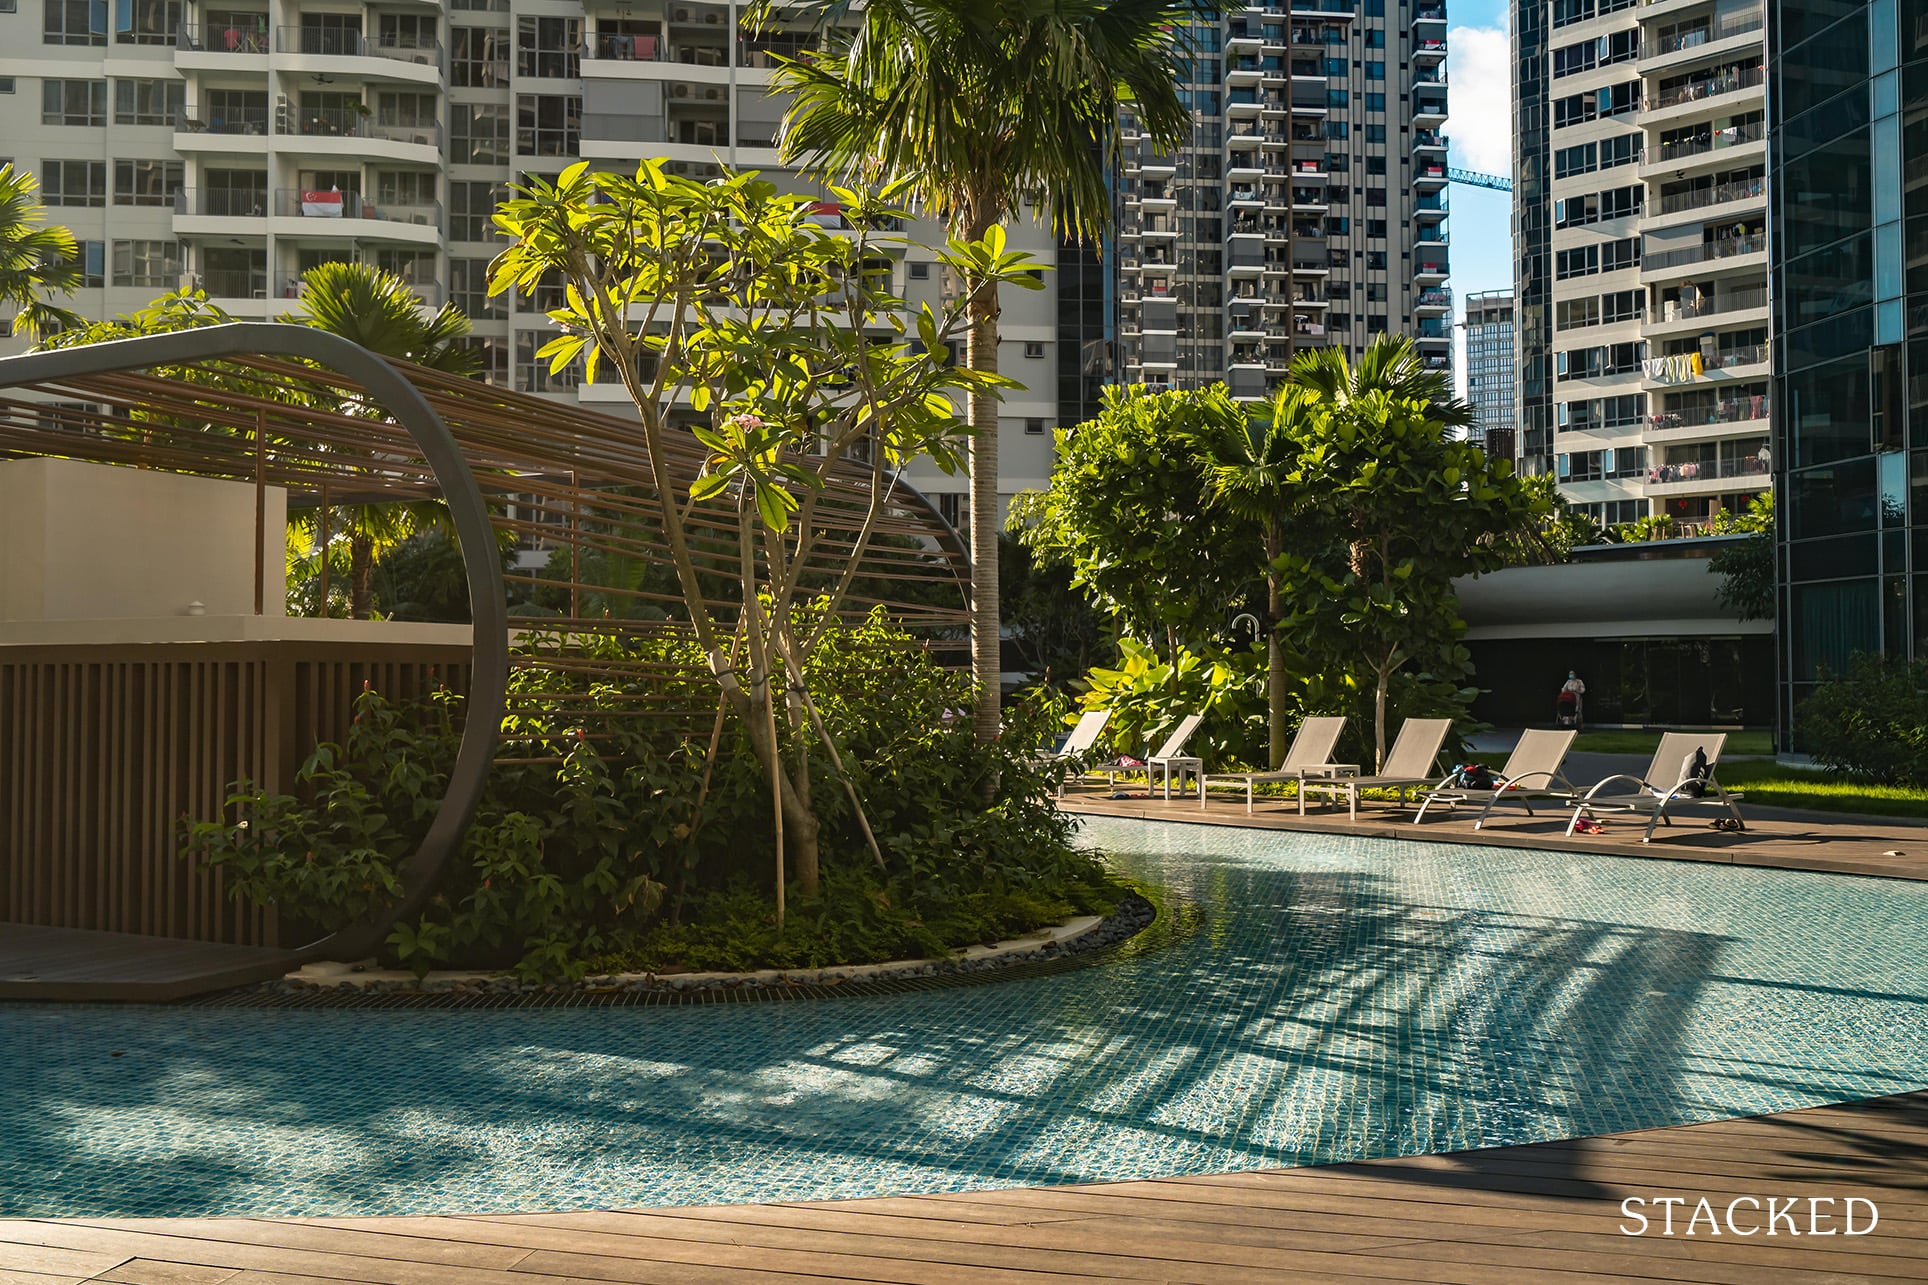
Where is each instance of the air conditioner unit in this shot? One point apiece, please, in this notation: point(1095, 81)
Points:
point(712, 17)
point(712, 93)
point(680, 15)
point(679, 90)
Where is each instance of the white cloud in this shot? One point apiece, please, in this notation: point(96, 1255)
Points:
point(1480, 79)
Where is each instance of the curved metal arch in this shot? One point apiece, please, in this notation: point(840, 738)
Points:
point(488, 605)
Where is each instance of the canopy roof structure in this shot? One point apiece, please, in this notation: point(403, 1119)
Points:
point(289, 406)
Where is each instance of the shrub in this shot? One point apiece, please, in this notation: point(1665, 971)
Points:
point(1873, 724)
point(617, 841)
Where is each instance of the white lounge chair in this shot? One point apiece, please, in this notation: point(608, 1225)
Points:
point(1307, 756)
point(1413, 764)
point(1666, 785)
point(1532, 771)
point(1077, 745)
point(1170, 755)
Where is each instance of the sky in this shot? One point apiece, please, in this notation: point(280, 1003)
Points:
point(1480, 135)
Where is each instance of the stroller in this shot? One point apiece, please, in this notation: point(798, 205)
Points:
point(1567, 709)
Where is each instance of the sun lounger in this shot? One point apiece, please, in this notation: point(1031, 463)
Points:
point(1077, 745)
point(1532, 771)
point(1306, 757)
point(1170, 755)
point(1666, 785)
point(1413, 764)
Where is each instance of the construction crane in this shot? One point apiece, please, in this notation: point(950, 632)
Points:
point(1474, 178)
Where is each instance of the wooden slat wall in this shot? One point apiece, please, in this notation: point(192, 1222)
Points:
point(104, 749)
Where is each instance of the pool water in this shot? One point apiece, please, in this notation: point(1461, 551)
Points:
point(1341, 999)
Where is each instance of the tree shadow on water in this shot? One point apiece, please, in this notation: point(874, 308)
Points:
point(1314, 1016)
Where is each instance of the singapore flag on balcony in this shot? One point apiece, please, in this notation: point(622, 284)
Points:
point(321, 205)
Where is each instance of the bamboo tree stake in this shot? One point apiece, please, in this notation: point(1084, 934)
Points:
point(836, 759)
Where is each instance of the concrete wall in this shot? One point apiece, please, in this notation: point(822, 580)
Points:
point(85, 541)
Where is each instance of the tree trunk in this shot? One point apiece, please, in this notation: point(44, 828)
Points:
point(987, 665)
point(1379, 720)
point(1275, 696)
point(361, 575)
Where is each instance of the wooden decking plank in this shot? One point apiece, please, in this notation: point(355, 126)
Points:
point(366, 1244)
point(147, 1271)
point(227, 1253)
point(10, 1277)
point(1527, 1255)
point(56, 1260)
point(1084, 1250)
point(833, 1265)
point(1155, 1239)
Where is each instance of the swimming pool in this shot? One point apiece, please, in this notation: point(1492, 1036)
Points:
point(1341, 999)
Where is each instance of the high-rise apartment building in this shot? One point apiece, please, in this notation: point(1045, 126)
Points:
point(1641, 200)
point(1489, 368)
point(1307, 208)
point(232, 144)
point(1850, 251)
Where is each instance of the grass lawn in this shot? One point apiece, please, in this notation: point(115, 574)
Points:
point(1757, 741)
point(1774, 786)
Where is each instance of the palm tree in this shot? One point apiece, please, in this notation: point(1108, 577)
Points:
point(978, 107)
point(37, 259)
point(380, 311)
point(1253, 469)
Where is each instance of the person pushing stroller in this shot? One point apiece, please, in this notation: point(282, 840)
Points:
point(1569, 704)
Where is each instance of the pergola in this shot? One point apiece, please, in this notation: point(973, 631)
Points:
point(287, 406)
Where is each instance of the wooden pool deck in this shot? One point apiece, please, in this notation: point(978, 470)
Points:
point(1833, 843)
point(76, 964)
point(1547, 1213)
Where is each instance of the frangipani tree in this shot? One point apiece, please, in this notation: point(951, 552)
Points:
point(777, 347)
point(981, 107)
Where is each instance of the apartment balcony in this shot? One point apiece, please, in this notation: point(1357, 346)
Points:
point(225, 284)
point(349, 54)
point(1430, 236)
point(1742, 306)
point(1429, 113)
point(345, 134)
point(1684, 44)
point(1243, 72)
point(1324, 10)
point(1675, 370)
point(1729, 147)
point(224, 204)
point(1431, 272)
point(1302, 171)
point(1429, 177)
point(229, 48)
point(1243, 196)
point(1429, 144)
point(332, 214)
point(1743, 471)
point(1434, 205)
point(1722, 417)
point(1429, 22)
point(1438, 331)
point(1724, 92)
point(232, 130)
point(1429, 51)
point(1433, 302)
point(1244, 40)
point(1723, 256)
point(1716, 199)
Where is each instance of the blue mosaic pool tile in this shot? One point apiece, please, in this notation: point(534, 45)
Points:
point(1341, 999)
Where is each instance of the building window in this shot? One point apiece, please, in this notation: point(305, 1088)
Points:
point(479, 134)
point(469, 290)
point(532, 374)
point(1034, 427)
point(74, 22)
point(73, 182)
point(92, 257)
point(149, 102)
point(1375, 102)
point(950, 507)
point(146, 182)
point(1032, 348)
point(548, 124)
point(920, 272)
point(1375, 133)
point(472, 210)
point(151, 265)
point(478, 57)
point(548, 47)
point(73, 102)
point(146, 22)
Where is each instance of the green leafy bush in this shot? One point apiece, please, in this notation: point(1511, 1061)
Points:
point(1871, 725)
point(1148, 695)
point(607, 840)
